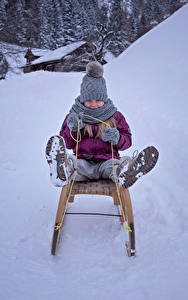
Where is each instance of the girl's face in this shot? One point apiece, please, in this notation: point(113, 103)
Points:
point(93, 104)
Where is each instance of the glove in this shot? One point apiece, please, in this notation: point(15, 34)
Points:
point(72, 121)
point(111, 135)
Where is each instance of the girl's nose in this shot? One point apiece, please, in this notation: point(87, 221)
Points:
point(94, 102)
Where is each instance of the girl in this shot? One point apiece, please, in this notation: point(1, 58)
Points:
point(101, 130)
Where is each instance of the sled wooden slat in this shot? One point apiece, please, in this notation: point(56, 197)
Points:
point(59, 214)
point(100, 187)
point(127, 207)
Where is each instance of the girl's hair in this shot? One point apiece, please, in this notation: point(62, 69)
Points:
point(101, 127)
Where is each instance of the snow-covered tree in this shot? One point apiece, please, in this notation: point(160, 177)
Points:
point(101, 41)
point(3, 66)
point(54, 23)
point(3, 16)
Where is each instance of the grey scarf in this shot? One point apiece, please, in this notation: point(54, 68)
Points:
point(103, 113)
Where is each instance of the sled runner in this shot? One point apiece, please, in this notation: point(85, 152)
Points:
point(100, 187)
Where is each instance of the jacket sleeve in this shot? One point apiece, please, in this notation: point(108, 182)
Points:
point(125, 140)
point(65, 133)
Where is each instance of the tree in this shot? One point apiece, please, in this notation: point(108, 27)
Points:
point(3, 66)
point(2, 13)
point(55, 23)
point(101, 42)
point(68, 22)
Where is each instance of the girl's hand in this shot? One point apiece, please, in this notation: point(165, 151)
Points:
point(111, 135)
point(72, 122)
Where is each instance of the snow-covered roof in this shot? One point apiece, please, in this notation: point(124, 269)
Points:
point(40, 52)
point(58, 53)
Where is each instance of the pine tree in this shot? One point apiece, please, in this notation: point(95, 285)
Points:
point(80, 21)
point(92, 11)
point(3, 66)
point(3, 16)
point(54, 23)
point(68, 22)
point(47, 24)
point(58, 7)
point(32, 21)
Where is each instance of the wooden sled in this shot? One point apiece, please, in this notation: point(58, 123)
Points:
point(100, 187)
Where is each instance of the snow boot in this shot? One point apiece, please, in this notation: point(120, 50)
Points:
point(130, 170)
point(124, 161)
point(61, 168)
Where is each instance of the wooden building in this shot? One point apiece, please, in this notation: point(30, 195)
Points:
point(33, 54)
point(72, 57)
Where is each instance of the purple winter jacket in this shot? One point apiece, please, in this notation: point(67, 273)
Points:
point(95, 148)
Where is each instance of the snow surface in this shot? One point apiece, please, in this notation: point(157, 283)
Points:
point(58, 53)
point(148, 83)
point(41, 52)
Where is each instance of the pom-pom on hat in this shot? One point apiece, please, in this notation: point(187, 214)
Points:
point(94, 69)
point(93, 86)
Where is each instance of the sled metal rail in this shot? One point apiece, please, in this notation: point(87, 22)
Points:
point(100, 187)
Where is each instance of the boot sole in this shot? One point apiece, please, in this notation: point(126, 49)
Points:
point(144, 163)
point(55, 156)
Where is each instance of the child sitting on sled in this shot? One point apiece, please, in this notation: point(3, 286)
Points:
point(95, 130)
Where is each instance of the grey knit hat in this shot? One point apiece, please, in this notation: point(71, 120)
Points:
point(93, 86)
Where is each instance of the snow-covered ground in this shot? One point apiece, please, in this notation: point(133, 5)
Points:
point(148, 83)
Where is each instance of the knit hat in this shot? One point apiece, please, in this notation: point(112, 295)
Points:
point(93, 86)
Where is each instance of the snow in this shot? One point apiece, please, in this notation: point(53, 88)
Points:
point(109, 56)
point(58, 53)
point(41, 52)
point(15, 57)
point(148, 83)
